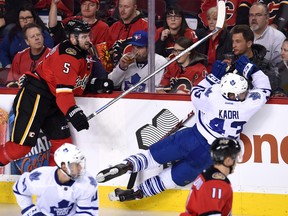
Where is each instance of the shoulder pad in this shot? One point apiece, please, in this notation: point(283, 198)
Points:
point(67, 48)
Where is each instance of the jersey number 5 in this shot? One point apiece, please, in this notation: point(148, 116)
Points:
point(66, 67)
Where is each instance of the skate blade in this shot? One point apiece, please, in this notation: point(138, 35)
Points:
point(112, 196)
point(100, 178)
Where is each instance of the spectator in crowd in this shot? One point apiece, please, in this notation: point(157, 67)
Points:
point(9, 14)
point(283, 71)
point(242, 42)
point(131, 20)
point(203, 199)
point(133, 66)
point(223, 104)
point(99, 29)
point(47, 99)
point(14, 41)
point(65, 189)
point(217, 45)
point(264, 34)
point(236, 11)
point(181, 75)
point(278, 16)
point(174, 26)
point(29, 58)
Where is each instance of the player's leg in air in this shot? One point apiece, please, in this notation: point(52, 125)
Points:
point(190, 151)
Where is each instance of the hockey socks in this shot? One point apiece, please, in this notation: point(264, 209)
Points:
point(113, 172)
point(12, 151)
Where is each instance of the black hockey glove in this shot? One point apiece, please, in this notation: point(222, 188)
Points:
point(245, 67)
point(77, 118)
point(100, 86)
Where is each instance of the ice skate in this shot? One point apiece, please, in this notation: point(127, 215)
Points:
point(113, 172)
point(125, 195)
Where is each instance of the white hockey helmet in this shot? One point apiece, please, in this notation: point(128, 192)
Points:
point(73, 159)
point(233, 83)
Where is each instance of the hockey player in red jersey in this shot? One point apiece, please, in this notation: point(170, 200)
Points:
point(211, 192)
point(46, 101)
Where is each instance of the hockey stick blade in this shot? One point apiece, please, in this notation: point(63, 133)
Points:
point(155, 131)
point(219, 24)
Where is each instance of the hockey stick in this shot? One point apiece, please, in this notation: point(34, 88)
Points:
point(219, 24)
point(180, 124)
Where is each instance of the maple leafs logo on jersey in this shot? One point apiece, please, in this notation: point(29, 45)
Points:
point(134, 80)
point(254, 95)
point(34, 176)
point(92, 181)
point(63, 208)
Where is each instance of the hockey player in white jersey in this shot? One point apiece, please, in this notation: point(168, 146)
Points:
point(63, 190)
point(223, 105)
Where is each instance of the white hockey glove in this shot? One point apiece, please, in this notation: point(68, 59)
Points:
point(32, 211)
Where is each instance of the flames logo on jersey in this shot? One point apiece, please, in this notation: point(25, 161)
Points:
point(81, 82)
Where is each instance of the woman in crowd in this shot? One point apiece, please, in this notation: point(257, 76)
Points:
point(283, 71)
point(181, 75)
point(14, 41)
point(219, 44)
point(174, 26)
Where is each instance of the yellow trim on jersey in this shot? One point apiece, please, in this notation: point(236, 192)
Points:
point(17, 113)
point(35, 108)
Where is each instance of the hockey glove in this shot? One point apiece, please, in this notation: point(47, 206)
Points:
point(32, 211)
point(101, 86)
point(245, 67)
point(219, 69)
point(77, 118)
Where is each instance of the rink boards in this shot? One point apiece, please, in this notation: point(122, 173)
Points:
point(259, 183)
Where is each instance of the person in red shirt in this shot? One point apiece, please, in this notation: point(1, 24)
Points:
point(46, 101)
point(29, 58)
point(181, 75)
point(174, 26)
point(121, 32)
point(99, 33)
point(211, 192)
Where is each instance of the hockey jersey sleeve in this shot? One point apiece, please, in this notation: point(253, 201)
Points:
point(22, 191)
point(88, 200)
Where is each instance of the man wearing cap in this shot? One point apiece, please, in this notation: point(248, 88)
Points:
point(133, 66)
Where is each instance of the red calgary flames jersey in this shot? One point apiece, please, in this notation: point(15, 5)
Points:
point(211, 193)
point(66, 70)
point(23, 62)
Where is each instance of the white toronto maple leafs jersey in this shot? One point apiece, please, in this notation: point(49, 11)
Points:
point(218, 116)
point(78, 197)
point(135, 73)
